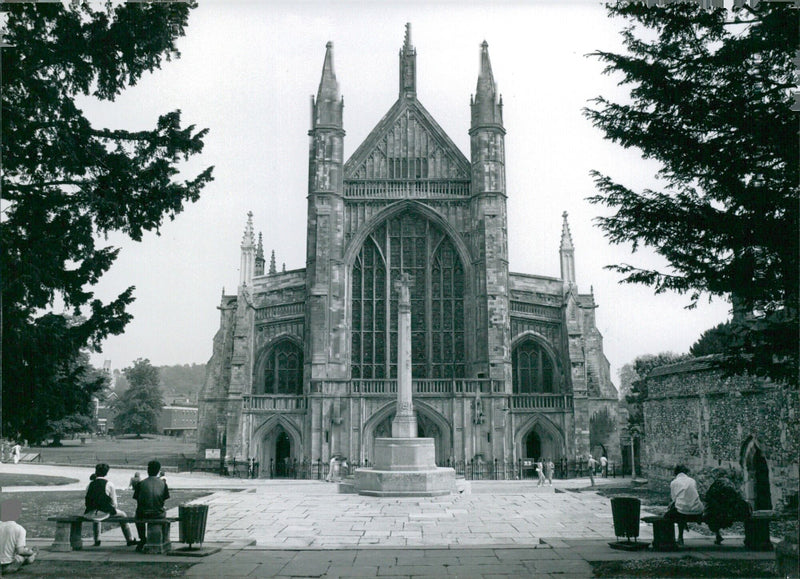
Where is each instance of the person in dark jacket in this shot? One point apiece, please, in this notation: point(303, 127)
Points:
point(724, 504)
point(150, 495)
point(101, 503)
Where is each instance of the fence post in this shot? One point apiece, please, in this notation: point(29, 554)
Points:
point(495, 469)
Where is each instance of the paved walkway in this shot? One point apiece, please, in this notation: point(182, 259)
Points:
point(307, 529)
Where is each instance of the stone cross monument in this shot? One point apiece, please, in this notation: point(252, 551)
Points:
point(404, 424)
point(405, 465)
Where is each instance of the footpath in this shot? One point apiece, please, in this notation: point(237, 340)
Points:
point(304, 528)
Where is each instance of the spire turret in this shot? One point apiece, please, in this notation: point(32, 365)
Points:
point(260, 256)
point(249, 238)
point(487, 110)
point(326, 110)
point(408, 67)
point(272, 269)
point(247, 265)
point(567, 252)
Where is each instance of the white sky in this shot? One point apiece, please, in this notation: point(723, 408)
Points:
point(247, 71)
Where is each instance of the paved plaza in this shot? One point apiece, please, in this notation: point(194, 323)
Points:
point(299, 528)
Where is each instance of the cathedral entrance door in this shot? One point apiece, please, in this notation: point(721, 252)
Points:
point(533, 445)
point(283, 454)
point(760, 470)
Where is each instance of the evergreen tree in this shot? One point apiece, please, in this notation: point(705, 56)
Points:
point(713, 341)
point(139, 407)
point(710, 100)
point(66, 184)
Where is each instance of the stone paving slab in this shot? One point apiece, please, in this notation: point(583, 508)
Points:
point(305, 528)
point(276, 517)
point(572, 561)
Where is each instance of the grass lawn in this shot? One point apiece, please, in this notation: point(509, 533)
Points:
point(117, 570)
point(685, 567)
point(38, 505)
point(117, 451)
point(9, 479)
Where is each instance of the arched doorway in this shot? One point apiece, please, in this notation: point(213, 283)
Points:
point(757, 485)
point(533, 445)
point(283, 455)
point(540, 438)
point(278, 448)
point(756, 469)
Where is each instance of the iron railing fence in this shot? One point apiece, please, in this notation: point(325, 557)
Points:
point(471, 470)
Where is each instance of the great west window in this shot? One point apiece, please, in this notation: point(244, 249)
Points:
point(408, 243)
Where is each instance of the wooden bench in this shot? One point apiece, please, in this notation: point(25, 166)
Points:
point(663, 533)
point(756, 532)
point(664, 530)
point(69, 530)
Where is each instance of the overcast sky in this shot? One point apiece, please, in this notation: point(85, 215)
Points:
point(247, 71)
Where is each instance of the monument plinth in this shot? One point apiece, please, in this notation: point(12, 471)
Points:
point(405, 465)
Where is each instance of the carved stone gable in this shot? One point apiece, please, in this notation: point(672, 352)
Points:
point(407, 155)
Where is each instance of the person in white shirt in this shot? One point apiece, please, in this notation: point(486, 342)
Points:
point(686, 506)
point(604, 466)
point(101, 503)
point(13, 551)
point(592, 465)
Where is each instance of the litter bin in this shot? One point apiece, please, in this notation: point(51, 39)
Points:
point(192, 524)
point(625, 511)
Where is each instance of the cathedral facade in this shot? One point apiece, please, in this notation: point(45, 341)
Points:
point(506, 366)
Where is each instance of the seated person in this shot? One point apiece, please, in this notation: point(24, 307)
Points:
point(13, 552)
point(686, 506)
point(724, 504)
point(101, 503)
point(150, 495)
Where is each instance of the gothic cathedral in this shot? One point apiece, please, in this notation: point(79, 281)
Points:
point(505, 366)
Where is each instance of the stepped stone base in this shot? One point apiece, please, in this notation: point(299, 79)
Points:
point(405, 467)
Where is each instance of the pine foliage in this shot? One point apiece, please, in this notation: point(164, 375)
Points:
point(67, 184)
point(711, 93)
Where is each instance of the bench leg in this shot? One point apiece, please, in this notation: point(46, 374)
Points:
point(61, 542)
point(756, 535)
point(75, 539)
point(664, 536)
point(158, 538)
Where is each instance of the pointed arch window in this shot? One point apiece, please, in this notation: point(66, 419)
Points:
point(408, 243)
point(533, 369)
point(283, 369)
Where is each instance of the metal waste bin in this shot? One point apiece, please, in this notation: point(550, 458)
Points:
point(625, 511)
point(192, 523)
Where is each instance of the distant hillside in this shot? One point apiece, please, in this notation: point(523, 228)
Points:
point(179, 381)
point(182, 381)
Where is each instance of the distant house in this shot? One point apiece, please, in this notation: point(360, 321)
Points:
point(103, 412)
point(178, 421)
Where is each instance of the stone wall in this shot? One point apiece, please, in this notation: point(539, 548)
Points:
point(696, 416)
